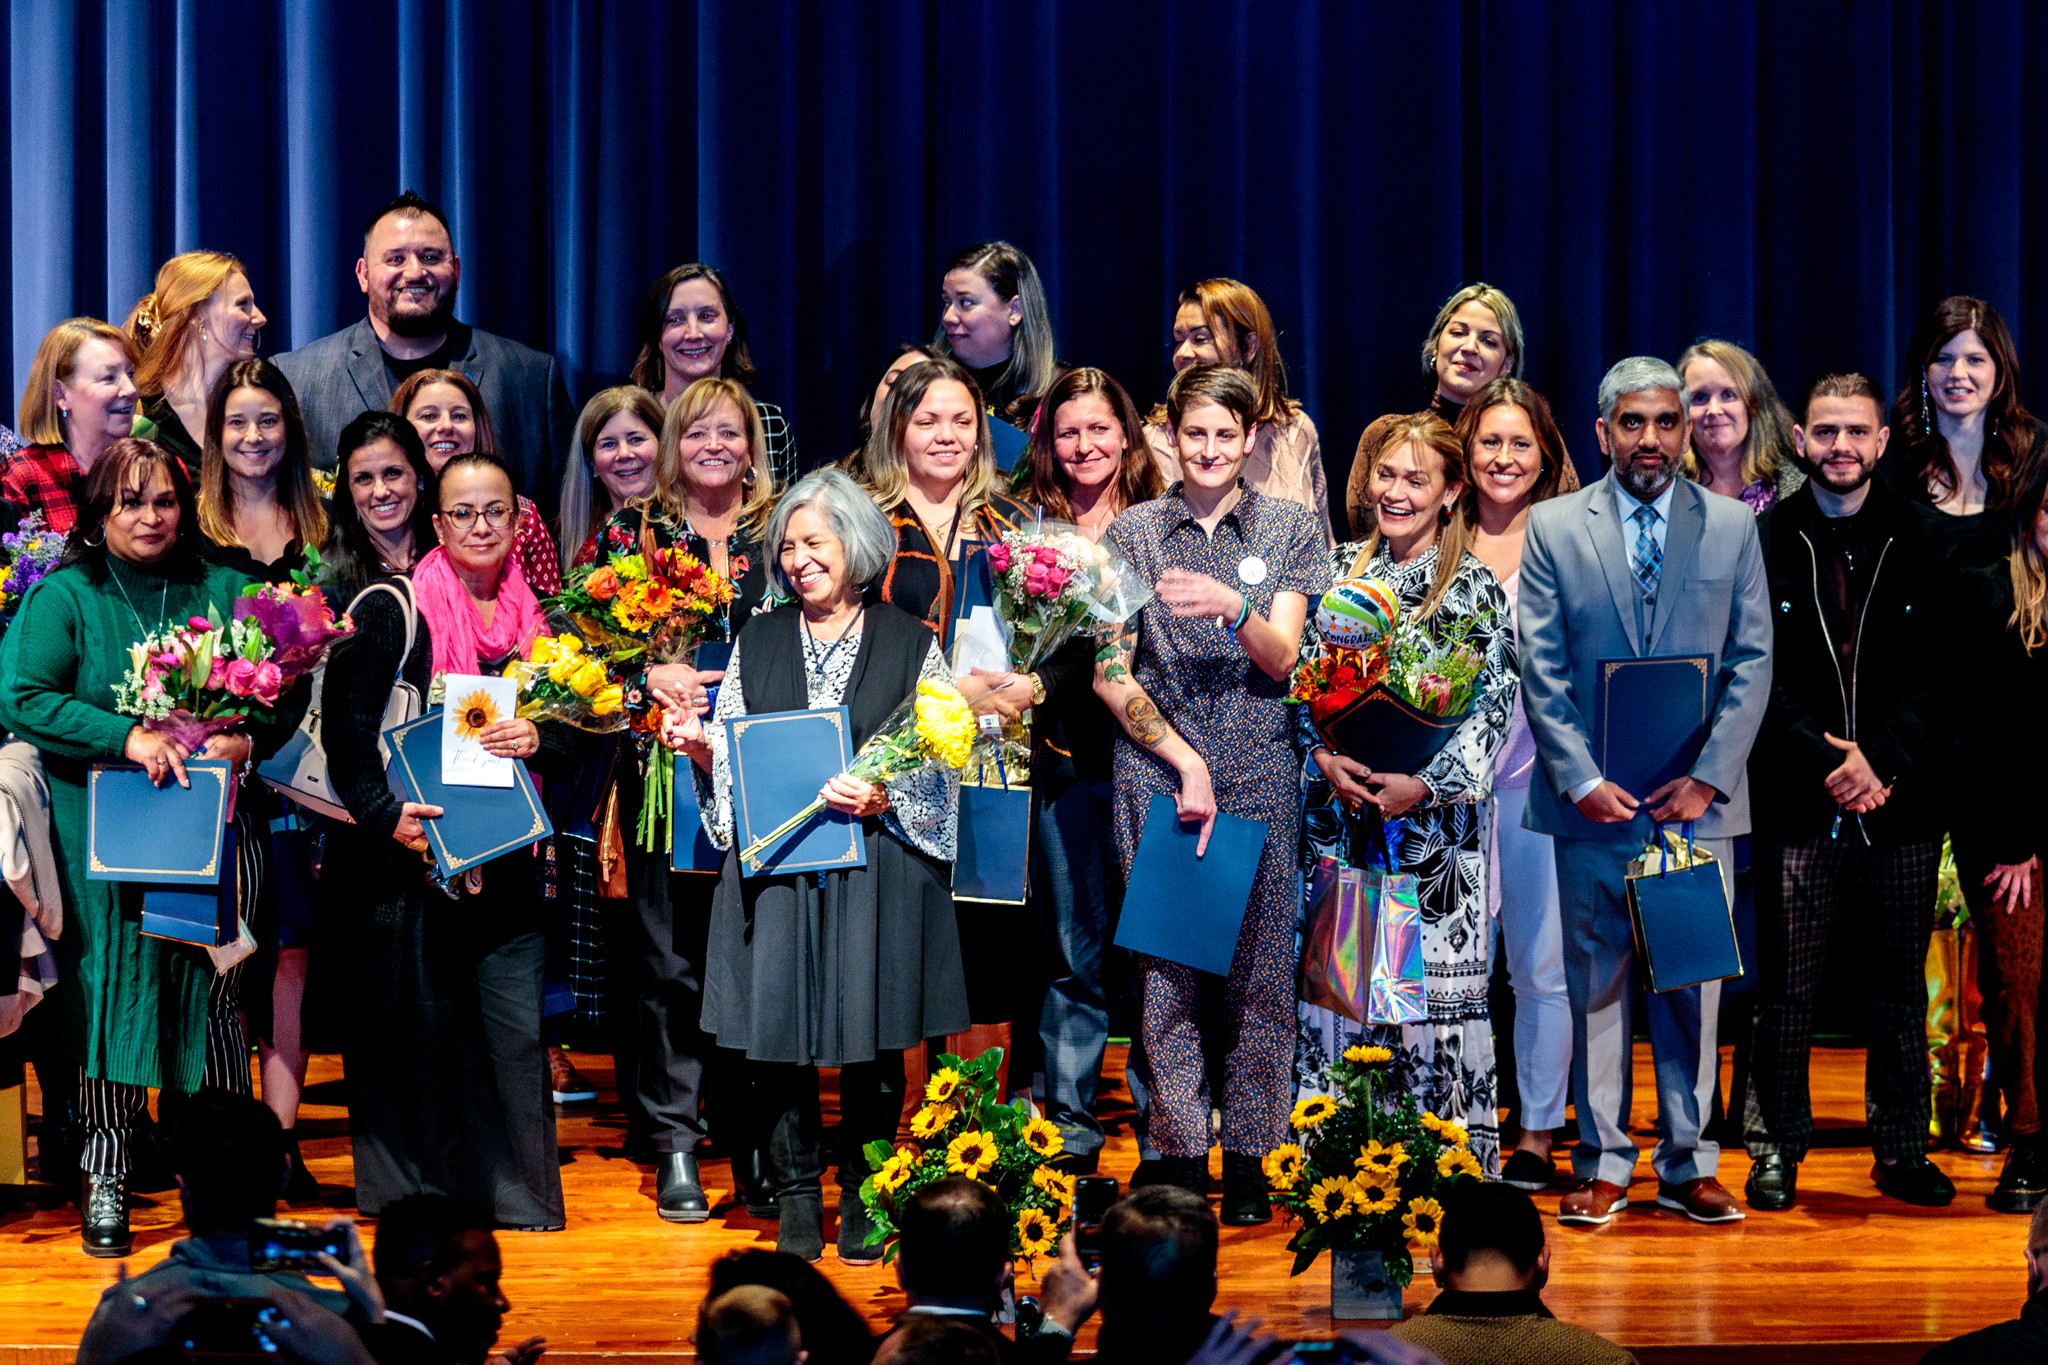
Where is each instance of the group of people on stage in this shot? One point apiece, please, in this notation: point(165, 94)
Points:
point(1843, 561)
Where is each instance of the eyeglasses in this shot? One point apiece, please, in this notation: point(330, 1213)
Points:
point(497, 516)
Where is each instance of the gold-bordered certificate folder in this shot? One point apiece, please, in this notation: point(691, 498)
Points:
point(479, 823)
point(1651, 719)
point(137, 831)
point(779, 761)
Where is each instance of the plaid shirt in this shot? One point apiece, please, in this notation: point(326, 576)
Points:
point(43, 479)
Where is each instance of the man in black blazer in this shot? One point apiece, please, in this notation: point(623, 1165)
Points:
point(1849, 806)
point(409, 273)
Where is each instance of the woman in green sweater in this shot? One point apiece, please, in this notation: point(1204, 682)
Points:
point(134, 1011)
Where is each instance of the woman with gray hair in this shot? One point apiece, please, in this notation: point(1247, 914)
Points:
point(796, 964)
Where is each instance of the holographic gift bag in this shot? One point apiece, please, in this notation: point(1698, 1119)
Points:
point(1361, 950)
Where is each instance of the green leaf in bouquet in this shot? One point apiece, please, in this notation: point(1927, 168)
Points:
point(877, 1152)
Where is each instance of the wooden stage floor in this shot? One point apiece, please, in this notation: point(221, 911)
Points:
point(1846, 1276)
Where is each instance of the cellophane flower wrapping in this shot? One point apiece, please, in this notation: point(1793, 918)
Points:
point(1053, 581)
point(1432, 667)
point(26, 557)
point(933, 729)
point(965, 1128)
point(643, 609)
point(202, 677)
point(298, 621)
point(1367, 1168)
point(562, 678)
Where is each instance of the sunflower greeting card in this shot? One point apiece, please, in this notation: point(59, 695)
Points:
point(473, 705)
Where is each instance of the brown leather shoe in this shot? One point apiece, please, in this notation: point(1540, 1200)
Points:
point(1592, 1204)
point(1702, 1200)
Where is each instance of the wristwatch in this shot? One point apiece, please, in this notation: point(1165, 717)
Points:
point(1037, 689)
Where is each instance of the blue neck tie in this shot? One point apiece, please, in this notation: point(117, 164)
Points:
point(1648, 560)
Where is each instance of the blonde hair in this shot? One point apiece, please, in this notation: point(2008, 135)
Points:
point(1503, 309)
point(41, 422)
point(2028, 568)
point(1426, 431)
point(586, 502)
point(165, 321)
point(1767, 446)
point(672, 490)
point(1230, 307)
point(887, 473)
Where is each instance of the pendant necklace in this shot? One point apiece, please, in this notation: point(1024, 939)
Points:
point(163, 601)
point(817, 657)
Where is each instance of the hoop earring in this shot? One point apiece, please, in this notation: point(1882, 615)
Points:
point(92, 544)
point(1430, 361)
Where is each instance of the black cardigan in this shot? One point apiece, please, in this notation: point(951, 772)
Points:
point(1887, 702)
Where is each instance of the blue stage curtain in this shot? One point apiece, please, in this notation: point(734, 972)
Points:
point(1804, 179)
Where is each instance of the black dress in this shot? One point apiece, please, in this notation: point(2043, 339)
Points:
point(439, 1000)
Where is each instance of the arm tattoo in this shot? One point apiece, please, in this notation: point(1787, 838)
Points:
point(1116, 655)
point(1147, 726)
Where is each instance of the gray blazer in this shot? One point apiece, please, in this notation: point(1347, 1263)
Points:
point(1577, 605)
point(343, 375)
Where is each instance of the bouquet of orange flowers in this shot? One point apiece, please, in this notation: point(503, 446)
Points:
point(645, 608)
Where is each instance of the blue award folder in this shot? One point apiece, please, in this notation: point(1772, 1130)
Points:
point(162, 836)
point(711, 655)
point(1006, 443)
point(692, 849)
point(479, 823)
point(209, 916)
point(779, 761)
point(1650, 719)
point(1182, 908)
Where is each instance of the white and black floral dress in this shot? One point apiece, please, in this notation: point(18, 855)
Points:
point(1441, 841)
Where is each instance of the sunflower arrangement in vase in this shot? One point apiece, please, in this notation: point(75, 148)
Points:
point(963, 1129)
point(1367, 1169)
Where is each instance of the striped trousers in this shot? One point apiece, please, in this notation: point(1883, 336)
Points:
point(110, 1110)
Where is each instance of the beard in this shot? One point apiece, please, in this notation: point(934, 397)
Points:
point(1646, 484)
point(1840, 485)
point(432, 322)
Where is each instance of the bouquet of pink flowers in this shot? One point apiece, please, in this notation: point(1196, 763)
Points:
point(1053, 581)
point(207, 676)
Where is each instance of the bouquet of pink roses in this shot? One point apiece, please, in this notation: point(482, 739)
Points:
point(207, 676)
point(1053, 581)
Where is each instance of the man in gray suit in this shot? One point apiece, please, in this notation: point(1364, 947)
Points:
point(409, 271)
point(1640, 563)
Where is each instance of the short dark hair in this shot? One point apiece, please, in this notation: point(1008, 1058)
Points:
point(1159, 1253)
point(229, 1150)
point(929, 1339)
point(833, 1333)
point(748, 1325)
point(1490, 1216)
point(952, 1238)
point(408, 203)
point(421, 1235)
point(1848, 384)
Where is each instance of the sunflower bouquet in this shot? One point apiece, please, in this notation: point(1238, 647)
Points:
point(934, 728)
point(563, 679)
point(1368, 1169)
point(964, 1129)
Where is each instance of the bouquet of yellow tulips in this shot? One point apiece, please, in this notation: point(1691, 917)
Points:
point(563, 679)
point(964, 1129)
point(1368, 1169)
point(932, 728)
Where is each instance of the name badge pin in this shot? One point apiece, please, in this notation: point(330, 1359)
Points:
point(1251, 570)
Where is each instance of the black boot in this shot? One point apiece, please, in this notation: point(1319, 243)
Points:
point(2024, 1183)
point(300, 1188)
point(103, 1216)
point(855, 1224)
point(1244, 1192)
point(1191, 1173)
point(678, 1193)
point(753, 1190)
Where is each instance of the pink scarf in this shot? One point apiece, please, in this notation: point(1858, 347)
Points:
point(461, 640)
